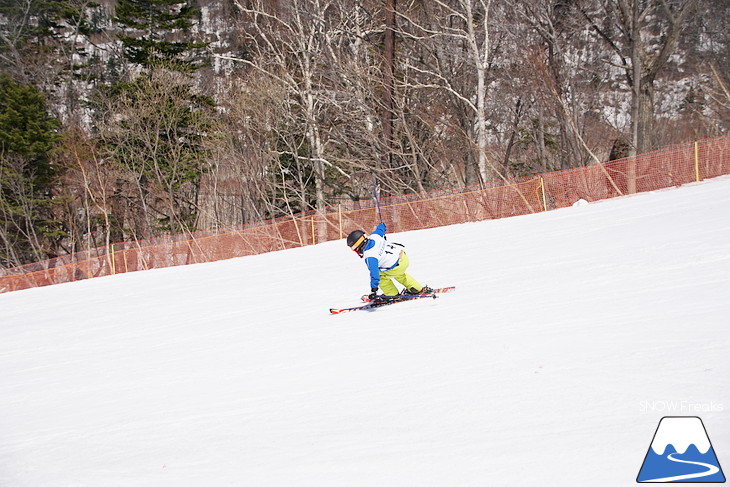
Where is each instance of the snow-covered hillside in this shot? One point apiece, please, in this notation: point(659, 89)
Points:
point(570, 334)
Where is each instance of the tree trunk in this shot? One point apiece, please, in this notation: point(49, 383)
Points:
point(388, 72)
point(645, 120)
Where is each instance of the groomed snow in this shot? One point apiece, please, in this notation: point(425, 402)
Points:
point(570, 334)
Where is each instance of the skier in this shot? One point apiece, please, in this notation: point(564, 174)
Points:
point(386, 261)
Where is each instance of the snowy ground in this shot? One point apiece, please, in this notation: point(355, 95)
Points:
point(570, 334)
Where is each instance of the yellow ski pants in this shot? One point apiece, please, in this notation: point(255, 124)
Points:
point(399, 274)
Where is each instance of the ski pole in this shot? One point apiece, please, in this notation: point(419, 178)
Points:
point(375, 194)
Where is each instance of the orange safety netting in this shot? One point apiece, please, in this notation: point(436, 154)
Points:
point(655, 170)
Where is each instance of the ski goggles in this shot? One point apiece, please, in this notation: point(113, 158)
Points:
point(356, 246)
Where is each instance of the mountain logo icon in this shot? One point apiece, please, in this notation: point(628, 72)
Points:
point(681, 452)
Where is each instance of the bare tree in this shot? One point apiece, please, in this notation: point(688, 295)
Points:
point(459, 34)
point(159, 133)
point(85, 202)
point(318, 59)
point(238, 186)
point(554, 59)
point(642, 35)
point(290, 45)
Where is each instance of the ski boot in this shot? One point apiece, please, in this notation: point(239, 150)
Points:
point(413, 292)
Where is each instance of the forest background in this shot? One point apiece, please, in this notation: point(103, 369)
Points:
point(130, 119)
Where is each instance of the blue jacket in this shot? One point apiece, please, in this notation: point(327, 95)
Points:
point(372, 262)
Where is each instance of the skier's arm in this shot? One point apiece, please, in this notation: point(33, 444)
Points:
point(380, 230)
point(372, 264)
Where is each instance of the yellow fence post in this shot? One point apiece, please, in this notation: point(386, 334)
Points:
point(542, 187)
point(314, 236)
point(113, 262)
point(697, 162)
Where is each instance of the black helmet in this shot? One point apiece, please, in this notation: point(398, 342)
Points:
point(356, 241)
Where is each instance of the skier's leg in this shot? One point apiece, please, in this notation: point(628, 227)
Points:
point(410, 283)
point(399, 274)
point(386, 284)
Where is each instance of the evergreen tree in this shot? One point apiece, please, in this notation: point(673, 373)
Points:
point(28, 137)
point(149, 25)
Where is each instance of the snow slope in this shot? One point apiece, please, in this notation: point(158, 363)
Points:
point(570, 334)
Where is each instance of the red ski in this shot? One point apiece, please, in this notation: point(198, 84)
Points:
point(435, 291)
point(371, 306)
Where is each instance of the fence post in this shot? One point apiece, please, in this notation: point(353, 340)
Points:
point(542, 187)
point(113, 261)
point(314, 235)
point(697, 162)
point(339, 212)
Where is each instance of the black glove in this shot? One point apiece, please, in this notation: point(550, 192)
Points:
point(373, 293)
